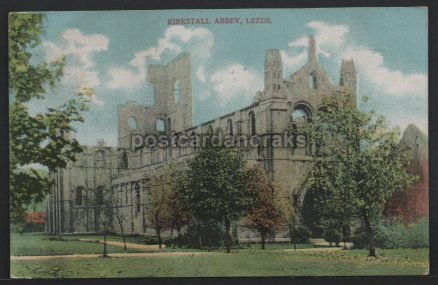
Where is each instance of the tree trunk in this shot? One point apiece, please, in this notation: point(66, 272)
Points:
point(124, 242)
point(370, 234)
point(160, 241)
point(105, 252)
point(228, 234)
point(344, 235)
point(179, 238)
point(158, 231)
point(199, 235)
point(292, 234)
point(263, 236)
point(119, 219)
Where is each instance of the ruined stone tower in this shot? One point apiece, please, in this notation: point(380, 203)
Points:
point(348, 77)
point(172, 108)
point(273, 71)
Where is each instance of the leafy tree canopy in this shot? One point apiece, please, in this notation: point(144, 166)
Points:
point(41, 139)
point(360, 163)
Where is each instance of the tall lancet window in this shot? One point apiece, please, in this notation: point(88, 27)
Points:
point(99, 158)
point(159, 125)
point(312, 82)
point(79, 195)
point(99, 195)
point(230, 127)
point(132, 122)
point(177, 91)
point(151, 99)
point(252, 123)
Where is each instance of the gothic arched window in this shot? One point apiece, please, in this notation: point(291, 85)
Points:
point(210, 130)
point(99, 195)
point(137, 197)
point(230, 127)
point(312, 82)
point(160, 125)
point(100, 159)
point(151, 98)
point(132, 122)
point(79, 196)
point(177, 91)
point(252, 123)
point(301, 114)
point(194, 141)
point(124, 160)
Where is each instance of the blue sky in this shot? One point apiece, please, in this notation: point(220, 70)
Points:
point(109, 51)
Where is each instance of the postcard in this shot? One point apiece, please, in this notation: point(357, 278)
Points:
point(219, 143)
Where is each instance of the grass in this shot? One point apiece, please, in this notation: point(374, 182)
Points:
point(238, 263)
point(141, 240)
point(276, 260)
point(41, 244)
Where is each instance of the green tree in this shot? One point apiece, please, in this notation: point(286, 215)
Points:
point(158, 202)
point(216, 187)
point(179, 210)
point(35, 139)
point(360, 163)
point(266, 213)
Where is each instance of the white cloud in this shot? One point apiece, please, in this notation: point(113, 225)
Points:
point(235, 81)
point(78, 49)
point(293, 60)
point(325, 35)
point(83, 46)
point(197, 41)
point(328, 37)
point(200, 73)
point(331, 40)
point(392, 82)
point(81, 76)
point(121, 77)
point(391, 85)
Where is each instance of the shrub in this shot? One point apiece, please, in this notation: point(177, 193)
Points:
point(332, 235)
point(301, 235)
point(174, 241)
point(418, 234)
point(396, 235)
point(359, 239)
point(212, 234)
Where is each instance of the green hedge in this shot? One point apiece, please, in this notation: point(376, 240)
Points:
point(396, 235)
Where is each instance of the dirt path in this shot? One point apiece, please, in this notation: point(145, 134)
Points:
point(313, 249)
point(145, 254)
point(128, 244)
point(141, 254)
point(149, 254)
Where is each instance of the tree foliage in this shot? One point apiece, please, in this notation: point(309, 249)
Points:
point(158, 209)
point(360, 164)
point(43, 138)
point(269, 209)
point(179, 210)
point(216, 187)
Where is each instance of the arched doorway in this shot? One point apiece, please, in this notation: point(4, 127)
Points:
point(310, 214)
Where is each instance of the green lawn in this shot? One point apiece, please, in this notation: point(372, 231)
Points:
point(238, 263)
point(41, 244)
point(277, 260)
